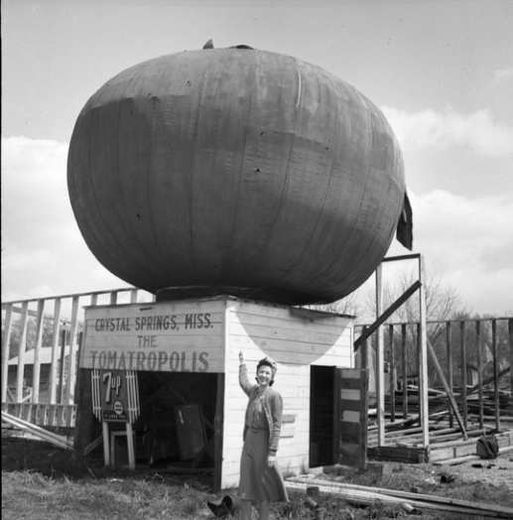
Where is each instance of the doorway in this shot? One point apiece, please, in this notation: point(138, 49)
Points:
point(323, 416)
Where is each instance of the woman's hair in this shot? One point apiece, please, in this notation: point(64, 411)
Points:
point(267, 361)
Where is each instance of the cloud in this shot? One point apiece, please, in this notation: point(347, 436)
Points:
point(43, 252)
point(466, 242)
point(429, 129)
point(502, 75)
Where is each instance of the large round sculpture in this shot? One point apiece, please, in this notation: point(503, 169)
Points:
point(235, 170)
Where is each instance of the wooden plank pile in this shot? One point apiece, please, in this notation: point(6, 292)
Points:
point(409, 502)
point(42, 434)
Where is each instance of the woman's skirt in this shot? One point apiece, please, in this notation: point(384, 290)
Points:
point(258, 481)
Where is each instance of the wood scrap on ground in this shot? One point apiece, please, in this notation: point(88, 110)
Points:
point(367, 496)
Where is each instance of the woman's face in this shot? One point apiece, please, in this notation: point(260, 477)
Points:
point(264, 375)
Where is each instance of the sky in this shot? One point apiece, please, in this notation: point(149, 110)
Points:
point(441, 71)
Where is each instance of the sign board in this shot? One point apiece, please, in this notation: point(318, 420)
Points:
point(160, 337)
point(115, 395)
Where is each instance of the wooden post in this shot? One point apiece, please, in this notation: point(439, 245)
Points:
point(463, 345)
point(72, 366)
point(405, 370)
point(423, 368)
point(36, 367)
point(380, 360)
point(450, 373)
point(450, 395)
point(106, 444)
point(61, 367)
point(392, 372)
point(133, 295)
point(130, 445)
point(479, 373)
point(510, 329)
point(6, 340)
point(496, 376)
point(55, 346)
point(21, 353)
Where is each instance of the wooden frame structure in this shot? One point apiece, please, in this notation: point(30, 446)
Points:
point(429, 435)
point(47, 320)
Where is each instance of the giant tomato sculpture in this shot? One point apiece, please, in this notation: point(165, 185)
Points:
point(235, 170)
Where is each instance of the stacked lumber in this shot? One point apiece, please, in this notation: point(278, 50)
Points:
point(45, 435)
point(368, 496)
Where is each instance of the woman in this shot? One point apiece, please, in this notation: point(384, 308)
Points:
point(260, 480)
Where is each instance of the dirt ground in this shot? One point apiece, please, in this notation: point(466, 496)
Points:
point(485, 481)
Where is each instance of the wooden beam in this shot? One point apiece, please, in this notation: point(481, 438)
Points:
point(72, 367)
point(450, 395)
point(391, 371)
point(496, 376)
point(36, 367)
point(380, 360)
point(405, 370)
point(423, 361)
point(479, 373)
point(55, 346)
point(370, 329)
point(6, 340)
point(413, 256)
point(510, 330)
point(21, 353)
point(463, 345)
point(448, 339)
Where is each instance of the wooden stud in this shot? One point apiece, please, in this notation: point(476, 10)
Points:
point(391, 371)
point(36, 367)
point(463, 345)
point(55, 346)
point(450, 373)
point(423, 368)
point(496, 376)
point(380, 361)
point(479, 373)
point(72, 365)
point(6, 340)
point(62, 367)
point(405, 370)
point(21, 353)
point(510, 330)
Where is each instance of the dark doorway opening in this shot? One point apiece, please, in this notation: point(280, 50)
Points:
point(323, 416)
point(180, 424)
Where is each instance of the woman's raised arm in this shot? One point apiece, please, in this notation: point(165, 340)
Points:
point(243, 375)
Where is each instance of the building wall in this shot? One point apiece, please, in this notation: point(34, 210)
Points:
point(295, 339)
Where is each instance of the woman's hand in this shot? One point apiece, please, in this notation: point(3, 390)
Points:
point(241, 357)
point(271, 460)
